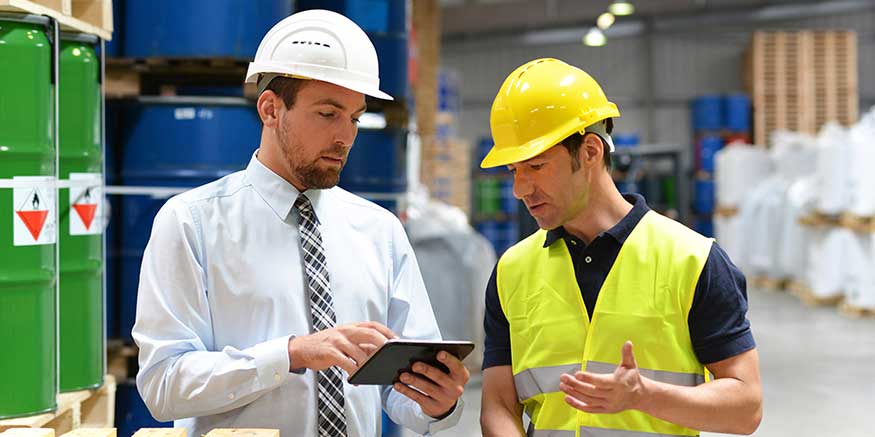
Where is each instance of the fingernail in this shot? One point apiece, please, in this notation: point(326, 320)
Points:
point(442, 356)
point(418, 368)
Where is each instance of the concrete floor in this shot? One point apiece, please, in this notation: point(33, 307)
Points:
point(818, 370)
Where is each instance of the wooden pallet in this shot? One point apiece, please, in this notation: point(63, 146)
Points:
point(86, 16)
point(769, 284)
point(121, 360)
point(855, 311)
point(781, 83)
point(804, 293)
point(801, 80)
point(857, 223)
point(131, 77)
point(818, 219)
point(143, 432)
point(91, 408)
point(835, 77)
point(725, 211)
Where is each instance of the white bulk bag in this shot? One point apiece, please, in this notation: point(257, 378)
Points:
point(826, 261)
point(832, 169)
point(862, 178)
point(738, 168)
point(860, 281)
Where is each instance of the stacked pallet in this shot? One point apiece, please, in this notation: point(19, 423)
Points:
point(143, 432)
point(86, 16)
point(78, 409)
point(446, 164)
point(801, 80)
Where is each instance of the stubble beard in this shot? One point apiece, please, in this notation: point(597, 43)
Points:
point(310, 174)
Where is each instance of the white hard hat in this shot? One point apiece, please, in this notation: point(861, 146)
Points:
point(321, 45)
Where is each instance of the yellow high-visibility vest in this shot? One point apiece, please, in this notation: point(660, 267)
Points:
point(645, 298)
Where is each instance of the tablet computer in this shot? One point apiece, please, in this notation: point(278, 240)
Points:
point(396, 356)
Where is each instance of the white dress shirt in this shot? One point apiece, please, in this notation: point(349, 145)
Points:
point(222, 289)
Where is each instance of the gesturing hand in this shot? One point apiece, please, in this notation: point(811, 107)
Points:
point(605, 393)
point(345, 346)
point(435, 391)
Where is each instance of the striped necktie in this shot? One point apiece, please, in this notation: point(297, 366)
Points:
point(332, 420)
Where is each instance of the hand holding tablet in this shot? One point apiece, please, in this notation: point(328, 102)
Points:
point(430, 373)
point(397, 356)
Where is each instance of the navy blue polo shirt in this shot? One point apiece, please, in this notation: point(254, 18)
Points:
point(719, 328)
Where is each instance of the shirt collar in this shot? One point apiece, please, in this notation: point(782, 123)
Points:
point(279, 194)
point(620, 231)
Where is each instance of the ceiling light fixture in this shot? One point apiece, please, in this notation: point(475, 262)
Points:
point(621, 7)
point(605, 20)
point(595, 38)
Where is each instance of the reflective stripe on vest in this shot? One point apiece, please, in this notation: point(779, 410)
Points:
point(674, 378)
point(532, 432)
point(534, 381)
point(586, 431)
point(538, 380)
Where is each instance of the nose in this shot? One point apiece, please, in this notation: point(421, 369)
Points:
point(345, 135)
point(522, 185)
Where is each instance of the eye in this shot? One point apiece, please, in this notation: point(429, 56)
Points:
point(536, 166)
point(327, 114)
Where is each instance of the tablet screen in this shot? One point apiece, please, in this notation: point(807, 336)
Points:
point(385, 366)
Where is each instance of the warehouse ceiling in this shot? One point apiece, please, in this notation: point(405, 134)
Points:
point(466, 18)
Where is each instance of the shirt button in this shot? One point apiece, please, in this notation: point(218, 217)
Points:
point(231, 396)
point(574, 243)
point(588, 259)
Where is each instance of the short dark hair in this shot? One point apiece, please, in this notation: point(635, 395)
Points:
point(573, 142)
point(286, 88)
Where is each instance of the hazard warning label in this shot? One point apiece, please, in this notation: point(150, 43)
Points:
point(33, 204)
point(86, 200)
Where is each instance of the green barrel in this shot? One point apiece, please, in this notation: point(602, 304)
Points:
point(488, 192)
point(28, 330)
point(81, 260)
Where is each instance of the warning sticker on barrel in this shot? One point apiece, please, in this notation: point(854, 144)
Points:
point(86, 200)
point(33, 204)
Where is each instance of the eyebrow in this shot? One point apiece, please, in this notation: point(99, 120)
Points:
point(338, 105)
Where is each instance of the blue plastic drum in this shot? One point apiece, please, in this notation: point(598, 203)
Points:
point(377, 162)
point(199, 28)
point(175, 142)
point(737, 112)
point(708, 146)
point(703, 199)
point(707, 113)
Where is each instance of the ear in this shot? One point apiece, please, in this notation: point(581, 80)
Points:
point(592, 150)
point(268, 106)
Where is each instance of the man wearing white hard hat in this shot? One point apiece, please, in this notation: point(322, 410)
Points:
point(261, 291)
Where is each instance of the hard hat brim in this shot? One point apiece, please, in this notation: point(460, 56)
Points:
point(499, 156)
point(367, 89)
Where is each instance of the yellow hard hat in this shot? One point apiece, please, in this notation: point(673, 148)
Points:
point(540, 104)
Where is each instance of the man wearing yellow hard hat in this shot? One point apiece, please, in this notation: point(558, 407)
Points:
point(565, 306)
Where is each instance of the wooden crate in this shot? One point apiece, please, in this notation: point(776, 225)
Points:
point(86, 16)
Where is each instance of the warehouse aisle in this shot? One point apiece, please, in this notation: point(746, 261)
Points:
point(817, 367)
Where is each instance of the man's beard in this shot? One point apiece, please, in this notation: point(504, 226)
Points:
point(310, 174)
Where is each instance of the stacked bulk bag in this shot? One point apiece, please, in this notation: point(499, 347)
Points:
point(861, 202)
point(833, 161)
